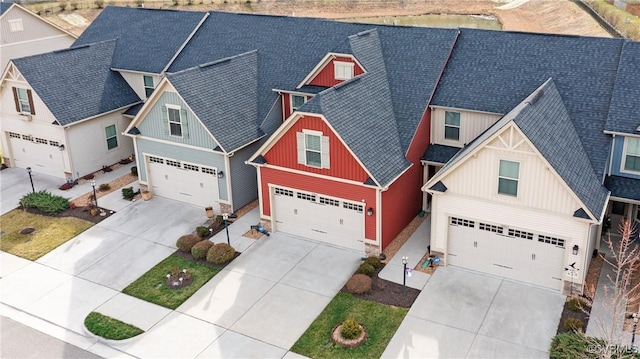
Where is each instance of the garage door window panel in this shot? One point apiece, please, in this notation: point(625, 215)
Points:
point(508, 178)
point(112, 137)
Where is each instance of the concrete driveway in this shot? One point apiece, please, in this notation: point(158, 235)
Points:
point(464, 314)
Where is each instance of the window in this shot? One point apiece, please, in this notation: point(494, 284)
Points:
point(155, 159)
point(452, 126)
point(352, 206)
point(209, 171)
point(343, 70)
point(297, 101)
point(312, 149)
point(173, 163)
point(551, 240)
point(14, 135)
point(508, 178)
point(15, 25)
point(41, 141)
point(490, 228)
point(191, 167)
point(462, 222)
point(520, 234)
point(54, 143)
point(175, 123)
point(306, 196)
point(148, 85)
point(112, 137)
point(632, 155)
point(23, 100)
point(329, 201)
point(283, 192)
point(27, 138)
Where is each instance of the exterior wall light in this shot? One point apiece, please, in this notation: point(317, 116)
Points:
point(370, 211)
point(575, 250)
point(61, 147)
point(220, 174)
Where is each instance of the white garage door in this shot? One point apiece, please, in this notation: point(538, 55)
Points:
point(184, 182)
point(41, 154)
point(310, 215)
point(505, 251)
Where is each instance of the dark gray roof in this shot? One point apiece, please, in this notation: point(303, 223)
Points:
point(439, 153)
point(4, 6)
point(223, 94)
point(493, 71)
point(360, 110)
point(77, 83)
point(310, 89)
point(624, 112)
point(439, 186)
point(133, 110)
point(149, 38)
point(623, 187)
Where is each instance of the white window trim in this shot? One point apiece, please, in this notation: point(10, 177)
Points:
point(179, 109)
point(291, 101)
point(16, 25)
point(312, 133)
point(145, 87)
point(624, 156)
point(344, 66)
point(509, 178)
point(24, 102)
point(459, 127)
point(106, 141)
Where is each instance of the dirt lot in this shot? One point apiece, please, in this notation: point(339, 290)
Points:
point(549, 16)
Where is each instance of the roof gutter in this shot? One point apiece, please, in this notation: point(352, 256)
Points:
point(98, 115)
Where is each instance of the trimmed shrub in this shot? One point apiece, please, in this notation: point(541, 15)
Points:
point(186, 242)
point(374, 261)
point(104, 187)
point(575, 304)
point(202, 232)
point(127, 193)
point(134, 171)
point(90, 176)
point(220, 253)
point(45, 201)
point(359, 283)
point(366, 268)
point(350, 329)
point(573, 324)
point(200, 249)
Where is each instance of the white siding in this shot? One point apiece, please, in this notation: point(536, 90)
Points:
point(88, 144)
point(136, 81)
point(8, 107)
point(472, 124)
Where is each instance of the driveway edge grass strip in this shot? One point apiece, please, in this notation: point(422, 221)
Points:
point(151, 286)
point(110, 328)
point(381, 322)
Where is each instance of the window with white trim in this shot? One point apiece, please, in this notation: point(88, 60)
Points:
point(462, 222)
point(343, 70)
point(23, 100)
point(297, 101)
point(313, 149)
point(452, 125)
point(149, 87)
point(15, 25)
point(508, 177)
point(175, 121)
point(632, 155)
point(112, 137)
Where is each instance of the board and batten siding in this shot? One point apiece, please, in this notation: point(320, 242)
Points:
point(244, 181)
point(327, 78)
point(136, 81)
point(617, 167)
point(572, 230)
point(88, 144)
point(8, 107)
point(179, 153)
point(194, 133)
point(472, 124)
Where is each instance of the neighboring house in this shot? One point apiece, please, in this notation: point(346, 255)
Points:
point(520, 133)
point(25, 33)
point(194, 133)
point(623, 124)
point(62, 111)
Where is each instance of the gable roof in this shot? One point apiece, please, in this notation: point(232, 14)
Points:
point(77, 83)
point(148, 38)
point(4, 6)
point(493, 71)
point(223, 94)
point(544, 119)
point(623, 187)
point(624, 112)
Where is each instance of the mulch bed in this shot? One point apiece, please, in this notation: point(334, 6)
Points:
point(203, 261)
point(78, 212)
point(386, 292)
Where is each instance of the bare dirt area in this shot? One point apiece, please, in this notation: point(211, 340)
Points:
point(545, 16)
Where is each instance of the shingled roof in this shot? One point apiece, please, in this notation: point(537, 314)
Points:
point(223, 94)
point(4, 6)
point(77, 83)
point(624, 112)
point(493, 71)
point(149, 38)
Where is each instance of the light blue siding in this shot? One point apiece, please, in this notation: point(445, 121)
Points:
point(244, 179)
point(180, 153)
point(618, 155)
point(194, 133)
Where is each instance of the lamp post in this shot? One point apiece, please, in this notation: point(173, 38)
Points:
point(635, 326)
point(225, 216)
point(405, 259)
point(95, 198)
point(31, 179)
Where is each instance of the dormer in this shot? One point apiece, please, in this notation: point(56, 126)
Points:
point(333, 69)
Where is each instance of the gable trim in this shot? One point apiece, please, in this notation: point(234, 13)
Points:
point(310, 174)
point(323, 63)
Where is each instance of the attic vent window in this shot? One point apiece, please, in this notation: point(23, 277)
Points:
point(343, 70)
point(15, 25)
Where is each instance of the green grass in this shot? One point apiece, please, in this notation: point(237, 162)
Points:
point(110, 328)
point(151, 286)
point(381, 322)
point(49, 234)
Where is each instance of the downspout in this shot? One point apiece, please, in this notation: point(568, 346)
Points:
point(227, 166)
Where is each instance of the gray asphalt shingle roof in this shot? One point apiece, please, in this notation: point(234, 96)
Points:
point(149, 38)
point(493, 71)
point(223, 94)
point(4, 6)
point(624, 112)
point(77, 83)
point(439, 153)
point(623, 187)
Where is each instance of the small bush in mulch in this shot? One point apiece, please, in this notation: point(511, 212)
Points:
point(134, 171)
point(387, 292)
point(200, 249)
point(350, 329)
point(125, 161)
point(366, 268)
point(77, 212)
point(573, 324)
point(358, 284)
point(203, 232)
point(45, 202)
point(574, 308)
point(575, 304)
point(90, 176)
point(374, 261)
point(128, 193)
point(220, 253)
point(106, 169)
point(104, 187)
point(186, 242)
point(67, 186)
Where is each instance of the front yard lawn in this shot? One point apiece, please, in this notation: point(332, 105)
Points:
point(151, 287)
point(48, 234)
point(381, 322)
point(110, 328)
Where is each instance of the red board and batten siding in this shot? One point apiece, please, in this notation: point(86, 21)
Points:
point(351, 192)
point(342, 163)
point(326, 77)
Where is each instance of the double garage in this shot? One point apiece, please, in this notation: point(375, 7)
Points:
point(41, 154)
point(182, 181)
point(506, 251)
point(310, 215)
